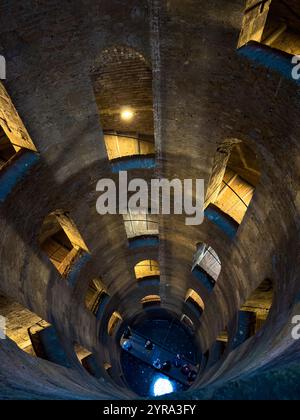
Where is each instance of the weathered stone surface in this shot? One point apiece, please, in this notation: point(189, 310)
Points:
point(204, 93)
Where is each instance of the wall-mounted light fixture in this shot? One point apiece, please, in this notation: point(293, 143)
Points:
point(127, 114)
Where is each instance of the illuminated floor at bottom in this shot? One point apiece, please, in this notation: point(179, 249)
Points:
point(145, 380)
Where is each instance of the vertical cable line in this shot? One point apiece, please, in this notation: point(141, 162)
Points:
point(155, 17)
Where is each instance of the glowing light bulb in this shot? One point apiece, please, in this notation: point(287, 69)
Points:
point(127, 114)
point(162, 386)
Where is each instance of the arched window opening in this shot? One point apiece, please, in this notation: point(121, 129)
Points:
point(14, 138)
point(7, 149)
point(188, 323)
point(245, 327)
point(218, 348)
point(18, 324)
point(95, 296)
point(150, 300)
point(260, 302)
point(61, 241)
point(90, 363)
point(81, 352)
point(47, 344)
point(254, 312)
point(113, 322)
point(146, 268)
point(235, 175)
point(31, 334)
point(122, 81)
point(140, 223)
point(216, 352)
point(206, 265)
point(204, 361)
point(223, 336)
point(274, 23)
point(107, 365)
point(192, 298)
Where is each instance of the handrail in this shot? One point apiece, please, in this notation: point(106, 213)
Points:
point(129, 136)
point(218, 260)
point(224, 182)
point(246, 205)
point(144, 220)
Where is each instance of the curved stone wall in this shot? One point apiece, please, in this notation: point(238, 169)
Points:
point(204, 92)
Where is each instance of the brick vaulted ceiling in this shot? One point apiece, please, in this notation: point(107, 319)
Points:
point(123, 78)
